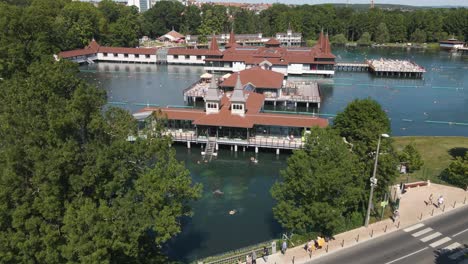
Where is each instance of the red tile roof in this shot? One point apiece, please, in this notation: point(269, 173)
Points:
point(257, 76)
point(184, 51)
point(288, 120)
point(94, 48)
point(253, 116)
point(272, 42)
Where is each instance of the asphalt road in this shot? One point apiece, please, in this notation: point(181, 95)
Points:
point(440, 240)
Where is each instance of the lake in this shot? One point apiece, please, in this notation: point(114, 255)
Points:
point(411, 104)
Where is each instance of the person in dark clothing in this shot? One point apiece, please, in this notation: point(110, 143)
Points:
point(265, 254)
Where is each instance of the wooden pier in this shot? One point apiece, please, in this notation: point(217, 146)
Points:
point(351, 66)
point(395, 68)
point(384, 68)
point(463, 50)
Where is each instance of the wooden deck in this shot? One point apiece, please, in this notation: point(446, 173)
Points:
point(270, 142)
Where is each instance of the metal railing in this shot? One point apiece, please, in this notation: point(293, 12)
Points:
point(251, 142)
point(275, 143)
point(232, 257)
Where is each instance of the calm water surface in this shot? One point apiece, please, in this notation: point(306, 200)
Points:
point(441, 96)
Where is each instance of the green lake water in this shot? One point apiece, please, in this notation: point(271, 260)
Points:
point(436, 105)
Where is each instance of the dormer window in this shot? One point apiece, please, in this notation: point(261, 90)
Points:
point(237, 106)
point(212, 105)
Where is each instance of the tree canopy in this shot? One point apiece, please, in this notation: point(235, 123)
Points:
point(361, 123)
point(411, 157)
point(323, 187)
point(73, 188)
point(457, 172)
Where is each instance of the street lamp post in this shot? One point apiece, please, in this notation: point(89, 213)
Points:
point(373, 180)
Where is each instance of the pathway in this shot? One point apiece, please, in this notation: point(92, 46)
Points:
point(413, 209)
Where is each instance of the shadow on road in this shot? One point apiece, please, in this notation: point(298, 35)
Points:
point(450, 256)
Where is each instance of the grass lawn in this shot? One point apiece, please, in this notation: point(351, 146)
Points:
point(436, 152)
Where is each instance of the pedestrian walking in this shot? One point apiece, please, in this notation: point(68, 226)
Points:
point(440, 201)
point(254, 257)
point(248, 259)
point(265, 254)
point(284, 246)
point(429, 201)
point(396, 215)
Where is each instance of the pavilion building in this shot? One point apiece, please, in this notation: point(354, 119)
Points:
point(235, 118)
point(317, 60)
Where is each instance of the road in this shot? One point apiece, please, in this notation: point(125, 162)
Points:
point(440, 240)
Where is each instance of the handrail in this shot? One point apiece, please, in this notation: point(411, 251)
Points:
point(252, 141)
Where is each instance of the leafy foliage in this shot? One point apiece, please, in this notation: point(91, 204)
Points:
point(73, 189)
point(457, 172)
point(411, 157)
point(361, 123)
point(365, 39)
point(339, 39)
point(322, 188)
point(382, 35)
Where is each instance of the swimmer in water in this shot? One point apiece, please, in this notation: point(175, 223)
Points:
point(218, 192)
point(232, 212)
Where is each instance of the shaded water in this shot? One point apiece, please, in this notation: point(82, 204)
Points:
point(245, 188)
point(441, 96)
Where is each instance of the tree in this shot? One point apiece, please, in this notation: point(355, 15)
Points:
point(457, 172)
point(381, 34)
point(365, 39)
point(411, 157)
point(339, 39)
point(192, 19)
point(419, 36)
point(73, 188)
point(77, 24)
point(361, 123)
point(167, 15)
point(322, 187)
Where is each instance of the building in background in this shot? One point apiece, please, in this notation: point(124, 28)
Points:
point(290, 38)
point(316, 60)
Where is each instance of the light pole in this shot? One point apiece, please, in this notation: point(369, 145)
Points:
point(373, 180)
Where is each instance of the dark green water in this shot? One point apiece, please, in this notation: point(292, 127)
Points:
point(441, 96)
point(246, 189)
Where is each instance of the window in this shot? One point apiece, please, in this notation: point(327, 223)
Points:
point(137, 56)
point(237, 107)
point(198, 57)
point(176, 57)
point(147, 56)
point(212, 105)
point(187, 57)
point(116, 55)
point(105, 54)
point(126, 55)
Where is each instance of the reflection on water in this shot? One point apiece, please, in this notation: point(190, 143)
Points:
point(441, 96)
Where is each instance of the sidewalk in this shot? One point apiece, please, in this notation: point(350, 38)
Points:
point(412, 209)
